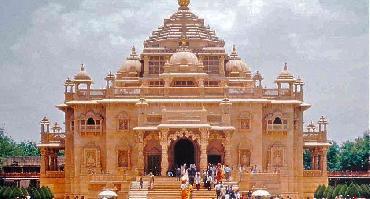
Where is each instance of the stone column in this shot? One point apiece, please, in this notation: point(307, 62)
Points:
point(324, 161)
point(146, 65)
point(203, 148)
point(228, 147)
point(222, 65)
point(140, 160)
point(164, 144)
point(43, 161)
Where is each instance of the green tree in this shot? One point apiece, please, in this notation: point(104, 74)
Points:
point(354, 154)
point(328, 191)
point(17, 192)
point(343, 190)
point(352, 191)
point(320, 191)
point(333, 157)
point(307, 159)
point(336, 191)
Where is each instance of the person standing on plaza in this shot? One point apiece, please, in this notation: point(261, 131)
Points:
point(178, 173)
point(197, 181)
point(141, 182)
point(227, 170)
point(151, 180)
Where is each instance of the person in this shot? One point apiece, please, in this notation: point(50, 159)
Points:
point(209, 181)
point(241, 171)
point(218, 189)
point(197, 181)
point(151, 180)
point(184, 187)
point(227, 172)
point(141, 182)
point(178, 173)
point(190, 191)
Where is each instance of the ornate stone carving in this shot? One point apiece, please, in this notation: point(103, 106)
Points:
point(183, 134)
point(123, 159)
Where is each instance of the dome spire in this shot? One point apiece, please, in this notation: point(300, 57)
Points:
point(82, 67)
point(285, 66)
point(183, 4)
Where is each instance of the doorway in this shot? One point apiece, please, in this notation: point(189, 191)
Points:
point(184, 152)
point(214, 159)
point(154, 164)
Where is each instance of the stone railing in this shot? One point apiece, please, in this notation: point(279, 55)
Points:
point(53, 138)
point(277, 127)
point(178, 92)
point(184, 116)
point(106, 178)
point(312, 173)
point(20, 175)
point(314, 136)
point(54, 174)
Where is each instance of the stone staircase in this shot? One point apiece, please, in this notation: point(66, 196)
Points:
point(169, 188)
point(136, 192)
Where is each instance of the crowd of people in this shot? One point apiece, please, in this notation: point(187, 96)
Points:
point(211, 179)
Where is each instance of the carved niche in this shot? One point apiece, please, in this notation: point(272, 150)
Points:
point(91, 157)
point(245, 157)
point(123, 158)
point(277, 155)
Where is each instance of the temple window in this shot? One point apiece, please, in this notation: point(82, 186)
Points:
point(156, 64)
point(211, 64)
point(123, 124)
point(277, 120)
point(211, 84)
point(90, 121)
point(245, 123)
point(156, 84)
point(183, 84)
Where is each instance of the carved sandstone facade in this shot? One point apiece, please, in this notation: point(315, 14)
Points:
point(184, 99)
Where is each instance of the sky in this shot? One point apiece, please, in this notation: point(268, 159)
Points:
point(326, 42)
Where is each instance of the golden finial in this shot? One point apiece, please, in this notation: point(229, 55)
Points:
point(184, 3)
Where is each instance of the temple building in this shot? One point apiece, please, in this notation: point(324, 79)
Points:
point(183, 99)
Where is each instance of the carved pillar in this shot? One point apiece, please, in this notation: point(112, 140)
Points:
point(228, 147)
point(140, 145)
point(312, 159)
point(222, 65)
point(324, 161)
point(146, 65)
point(203, 148)
point(164, 144)
point(201, 86)
point(43, 161)
point(167, 85)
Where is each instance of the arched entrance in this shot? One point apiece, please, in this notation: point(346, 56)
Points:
point(184, 152)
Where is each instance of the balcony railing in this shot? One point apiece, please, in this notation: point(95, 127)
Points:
point(312, 173)
point(177, 92)
point(314, 137)
point(277, 127)
point(54, 174)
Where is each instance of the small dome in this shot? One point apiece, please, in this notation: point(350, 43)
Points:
point(132, 63)
point(285, 75)
point(82, 75)
point(184, 58)
point(236, 63)
point(257, 76)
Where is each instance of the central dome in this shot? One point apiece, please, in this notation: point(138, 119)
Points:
point(184, 58)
